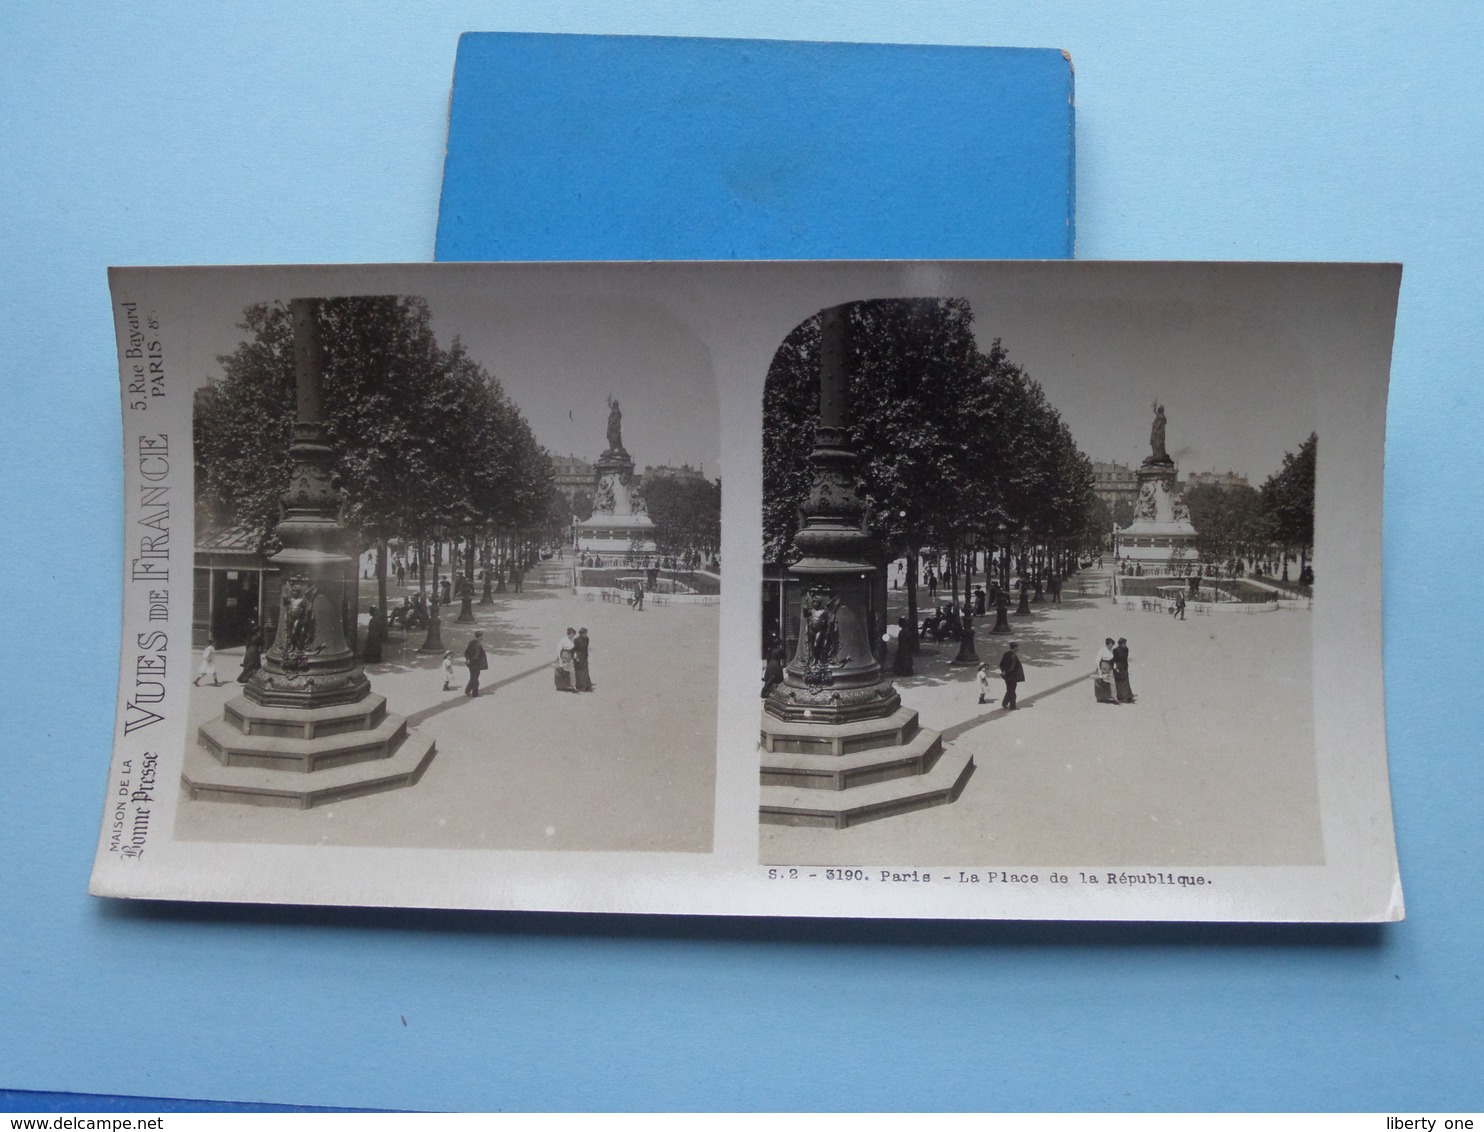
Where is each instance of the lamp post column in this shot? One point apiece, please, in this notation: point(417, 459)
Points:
point(833, 675)
point(310, 663)
point(839, 746)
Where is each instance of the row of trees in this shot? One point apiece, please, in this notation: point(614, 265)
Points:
point(1246, 523)
point(428, 445)
point(686, 514)
point(960, 450)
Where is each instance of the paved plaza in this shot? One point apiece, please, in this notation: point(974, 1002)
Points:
point(629, 766)
point(1213, 765)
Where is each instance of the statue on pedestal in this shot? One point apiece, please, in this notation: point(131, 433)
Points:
point(603, 501)
point(615, 426)
point(821, 638)
point(298, 621)
point(1157, 453)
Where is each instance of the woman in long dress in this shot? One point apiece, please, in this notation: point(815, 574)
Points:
point(252, 655)
point(1120, 672)
point(580, 676)
point(566, 654)
point(1102, 679)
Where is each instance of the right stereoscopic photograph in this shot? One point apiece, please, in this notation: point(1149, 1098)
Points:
point(1064, 574)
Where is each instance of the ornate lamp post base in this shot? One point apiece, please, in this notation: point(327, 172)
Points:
point(433, 642)
point(300, 758)
point(1025, 601)
point(839, 775)
point(838, 746)
point(966, 653)
point(307, 728)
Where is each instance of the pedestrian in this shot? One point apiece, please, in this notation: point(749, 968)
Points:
point(982, 675)
point(580, 675)
point(474, 657)
point(447, 588)
point(375, 634)
point(1179, 610)
point(1120, 672)
point(401, 573)
point(1102, 677)
point(1013, 672)
point(980, 598)
point(773, 670)
point(1053, 587)
point(208, 665)
point(448, 671)
point(638, 602)
point(252, 655)
point(566, 652)
point(516, 576)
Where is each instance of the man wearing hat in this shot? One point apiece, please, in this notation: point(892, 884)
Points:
point(1013, 672)
point(477, 662)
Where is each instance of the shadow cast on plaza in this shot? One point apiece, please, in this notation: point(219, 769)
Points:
point(419, 717)
point(1040, 647)
point(959, 729)
point(401, 651)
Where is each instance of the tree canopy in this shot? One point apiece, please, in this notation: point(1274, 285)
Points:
point(1229, 522)
point(686, 514)
point(1244, 522)
point(424, 437)
point(955, 443)
point(1288, 497)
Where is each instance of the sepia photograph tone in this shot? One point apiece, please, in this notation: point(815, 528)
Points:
point(433, 582)
point(993, 631)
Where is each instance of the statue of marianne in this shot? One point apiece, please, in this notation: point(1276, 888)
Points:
point(615, 426)
point(1157, 453)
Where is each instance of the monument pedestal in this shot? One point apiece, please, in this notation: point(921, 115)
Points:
point(619, 524)
point(1161, 536)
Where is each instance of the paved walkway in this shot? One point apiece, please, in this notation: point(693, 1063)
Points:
point(630, 766)
point(1214, 765)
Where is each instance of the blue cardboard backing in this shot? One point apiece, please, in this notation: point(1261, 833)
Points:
point(576, 147)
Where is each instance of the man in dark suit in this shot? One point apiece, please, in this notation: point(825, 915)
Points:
point(477, 662)
point(1013, 672)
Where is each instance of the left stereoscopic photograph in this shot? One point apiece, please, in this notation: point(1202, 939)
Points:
point(442, 548)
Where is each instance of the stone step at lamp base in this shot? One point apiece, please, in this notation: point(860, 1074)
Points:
point(301, 758)
point(840, 775)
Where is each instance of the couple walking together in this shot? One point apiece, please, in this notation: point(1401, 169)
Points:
point(1110, 682)
point(571, 665)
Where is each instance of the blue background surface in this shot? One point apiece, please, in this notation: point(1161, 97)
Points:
point(294, 132)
